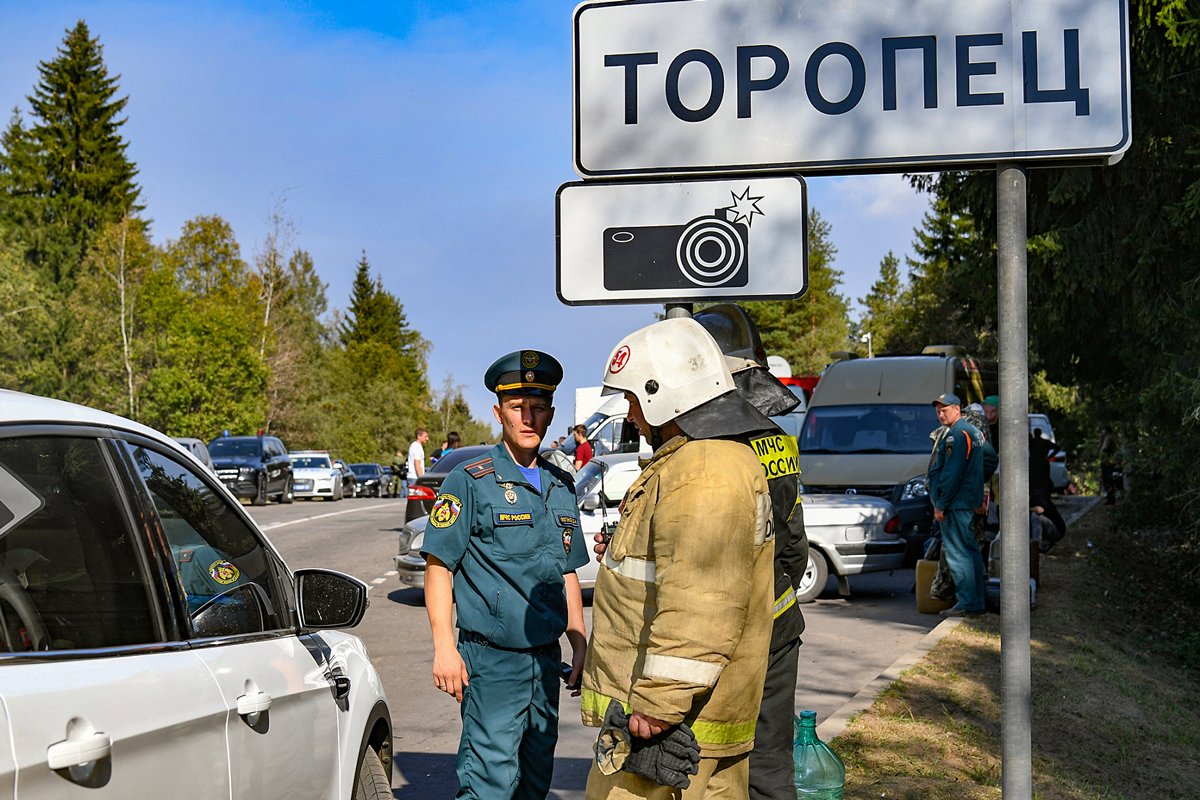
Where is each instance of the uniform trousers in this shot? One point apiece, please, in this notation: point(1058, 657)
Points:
point(509, 721)
point(716, 779)
point(772, 773)
point(964, 558)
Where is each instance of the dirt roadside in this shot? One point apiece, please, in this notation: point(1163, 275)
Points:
point(1114, 691)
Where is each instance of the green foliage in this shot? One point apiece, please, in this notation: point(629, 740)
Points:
point(883, 317)
point(28, 310)
point(67, 176)
point(451, 413)
point(208, 375)
point(1114, 292)
point(807, 330)
point(108, 348)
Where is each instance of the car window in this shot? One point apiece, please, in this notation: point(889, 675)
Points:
point(223, 566)
point(875, 428)
point(456, 457)
point(71, 572)
point(311, 462)
point(245, 448)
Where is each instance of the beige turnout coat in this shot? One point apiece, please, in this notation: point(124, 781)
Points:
point(681, 615)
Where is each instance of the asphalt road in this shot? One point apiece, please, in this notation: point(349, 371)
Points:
point(848, 641)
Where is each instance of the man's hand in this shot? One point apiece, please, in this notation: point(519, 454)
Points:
point(450, 673)
point(644, 727)
point(601, 540)
point(938, 514)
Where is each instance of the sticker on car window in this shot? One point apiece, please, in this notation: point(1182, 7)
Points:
point(17, 501)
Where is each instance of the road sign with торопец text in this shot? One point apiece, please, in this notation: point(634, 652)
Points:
point(704, 86)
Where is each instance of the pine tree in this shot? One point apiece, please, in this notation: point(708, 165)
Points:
point(883, 304)
point(807, 330)
point(67, 176)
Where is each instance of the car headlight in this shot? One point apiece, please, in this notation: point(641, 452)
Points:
point(915, 489)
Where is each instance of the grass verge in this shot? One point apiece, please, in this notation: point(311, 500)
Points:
point(1114, 677)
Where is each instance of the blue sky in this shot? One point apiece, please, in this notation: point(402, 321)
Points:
point(431, 135)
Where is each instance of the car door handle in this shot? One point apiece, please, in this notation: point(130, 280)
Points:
point(75, 752)
point(253, 703)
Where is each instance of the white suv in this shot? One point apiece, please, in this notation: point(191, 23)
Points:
point(152, 641)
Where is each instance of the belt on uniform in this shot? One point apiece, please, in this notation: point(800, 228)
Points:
point(478, 638)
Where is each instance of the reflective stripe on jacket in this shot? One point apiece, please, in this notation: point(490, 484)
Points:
point(683, 607)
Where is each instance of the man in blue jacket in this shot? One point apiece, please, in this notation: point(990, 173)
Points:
point(955, 481)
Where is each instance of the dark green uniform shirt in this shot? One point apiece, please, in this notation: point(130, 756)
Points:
point(508, 547)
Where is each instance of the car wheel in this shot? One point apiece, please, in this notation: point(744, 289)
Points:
point(289, 493)
point(373, 783)
point(337, 492)
point(260, 494)
point(816, 574)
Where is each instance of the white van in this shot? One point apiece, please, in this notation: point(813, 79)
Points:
point(868, 424)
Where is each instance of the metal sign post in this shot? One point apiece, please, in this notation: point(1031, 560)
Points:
point(1015, 683)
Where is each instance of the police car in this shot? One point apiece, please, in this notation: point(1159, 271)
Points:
point(152, 641)
point(316, 475)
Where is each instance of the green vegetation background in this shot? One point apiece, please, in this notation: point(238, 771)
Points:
point(192, 337)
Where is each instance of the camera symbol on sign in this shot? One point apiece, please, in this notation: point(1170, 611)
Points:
point(707, 252)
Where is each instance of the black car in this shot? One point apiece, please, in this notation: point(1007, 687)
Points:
point(254, 467)
point(371, 481)
point(423, 490)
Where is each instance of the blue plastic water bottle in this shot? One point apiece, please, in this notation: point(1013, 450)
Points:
point(820, 774)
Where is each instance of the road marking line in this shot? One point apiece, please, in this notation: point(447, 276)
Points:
point(391, 573)
point(378, 581)
point(275, 525)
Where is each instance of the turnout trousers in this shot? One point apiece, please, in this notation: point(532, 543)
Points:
point(509, 721)
point(771, 768)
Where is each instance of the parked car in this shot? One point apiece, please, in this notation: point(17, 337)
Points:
point(316, 475)
point(370, 480)
point(152, 641)
point(1059, 475)
point(599, 488)
point(847, 535)
point(199, 449)
point(254, 467)
point(423, 490)
point(349, 482)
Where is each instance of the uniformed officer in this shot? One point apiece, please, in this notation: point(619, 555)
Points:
point(503, 543)
point(771, 766)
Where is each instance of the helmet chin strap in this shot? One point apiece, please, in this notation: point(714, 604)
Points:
point(656, 440)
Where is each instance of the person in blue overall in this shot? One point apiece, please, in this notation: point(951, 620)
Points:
point(955, 481)
point(502, 544)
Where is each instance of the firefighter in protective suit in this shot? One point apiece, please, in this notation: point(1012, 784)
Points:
point(683, 601)
point(771, 767)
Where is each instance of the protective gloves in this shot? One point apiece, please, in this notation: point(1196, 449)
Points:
point(668, 759)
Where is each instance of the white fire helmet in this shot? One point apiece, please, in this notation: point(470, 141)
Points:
point(671, 367)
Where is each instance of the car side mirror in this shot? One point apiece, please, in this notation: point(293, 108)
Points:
point(238, 610)
point(590, 502)
point(330, 599)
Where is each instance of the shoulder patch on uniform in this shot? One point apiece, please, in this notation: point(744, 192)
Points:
point(480, 468)
point(445, 511)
